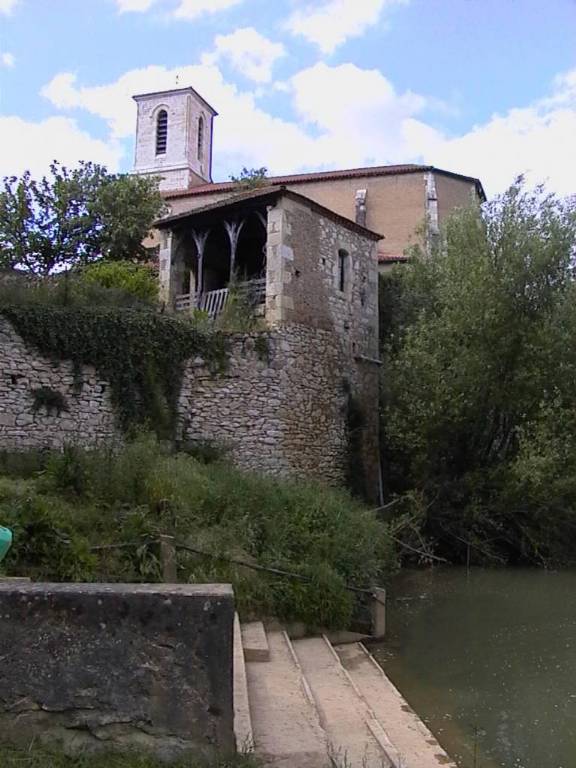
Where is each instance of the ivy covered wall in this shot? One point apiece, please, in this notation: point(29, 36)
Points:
point(275, 401)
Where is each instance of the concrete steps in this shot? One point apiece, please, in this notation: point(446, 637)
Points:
point(255, 642)
point(343, 713)
point(307, 704)
point(242, 718)
point(415, 744)
point(287, 731)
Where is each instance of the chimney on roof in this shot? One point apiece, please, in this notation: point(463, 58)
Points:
point(361, 207)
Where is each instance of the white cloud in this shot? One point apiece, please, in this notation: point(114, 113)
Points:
point(125, 6)
point(245, 134)
point(368, 126)
point(373, 125)
point(191, 9)
point(185, 9)
point(33, 146)
point(249, 52)
point(7, 60)
point(7, 6)
point(331, 23)
point(535, 140)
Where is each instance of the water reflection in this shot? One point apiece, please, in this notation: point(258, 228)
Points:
point(488, 659)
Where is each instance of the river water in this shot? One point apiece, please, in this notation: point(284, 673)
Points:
point(488, 660)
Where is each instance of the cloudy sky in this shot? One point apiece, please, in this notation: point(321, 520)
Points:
point(481, 87)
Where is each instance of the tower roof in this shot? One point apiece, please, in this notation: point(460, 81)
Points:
point(171, 92)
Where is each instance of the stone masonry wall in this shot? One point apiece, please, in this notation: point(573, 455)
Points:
point(89, 419)
point(279, 407)
point(303, 288)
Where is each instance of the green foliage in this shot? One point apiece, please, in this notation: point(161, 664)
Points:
point(479, 383)
point(251, 178)
point(36, 757)
point(74, 217)
point(355, 422)
point(141, 354)
point(205, 451)
point(49, 399)
point(68, 290)
point(238, 315)
point(262, 347)
point(134, 279)
point(104, 498)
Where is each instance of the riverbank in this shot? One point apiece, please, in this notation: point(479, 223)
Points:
point(487, 659)
point(98, 516)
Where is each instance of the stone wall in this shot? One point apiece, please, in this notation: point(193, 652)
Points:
point(95, 667)
point(180, 166)
point(279, 408)
point(89, 418)
point(303, 289)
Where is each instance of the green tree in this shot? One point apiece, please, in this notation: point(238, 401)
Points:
point(480, 375)
point(74, 217)
point(251, 178)
point(137, 280)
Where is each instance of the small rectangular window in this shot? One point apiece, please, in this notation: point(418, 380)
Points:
point(342, 270)
point(162, 132)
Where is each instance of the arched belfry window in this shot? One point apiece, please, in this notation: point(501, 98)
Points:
point(343, 268)
point(161, 132)
point(200, 137)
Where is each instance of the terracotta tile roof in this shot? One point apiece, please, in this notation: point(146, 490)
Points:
point(350, 173)
point(264, 195)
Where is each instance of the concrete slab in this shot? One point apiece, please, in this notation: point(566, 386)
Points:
point(415, 744)
point(242, 719)
point(255, 642)
point(100, 667)
point(287, 731)
point(344, 715)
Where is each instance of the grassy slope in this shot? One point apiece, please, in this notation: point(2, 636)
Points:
point(80, 500)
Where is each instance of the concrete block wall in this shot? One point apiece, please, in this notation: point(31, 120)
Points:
point(97, 667)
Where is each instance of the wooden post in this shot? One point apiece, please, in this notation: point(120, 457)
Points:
point(200, 242)
point(378, 612)
point(168, 559)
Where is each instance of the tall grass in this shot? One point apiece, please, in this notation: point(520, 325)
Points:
point(11, 757)
point(83, 499)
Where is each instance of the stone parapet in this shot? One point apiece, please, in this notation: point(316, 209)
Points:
point(97, 667)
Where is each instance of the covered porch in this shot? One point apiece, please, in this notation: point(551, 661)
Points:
point(214, 251)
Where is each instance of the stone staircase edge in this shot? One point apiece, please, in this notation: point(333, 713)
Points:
point(243, 731)
point(372, 721)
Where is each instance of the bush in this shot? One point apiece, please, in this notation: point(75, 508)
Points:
point(133, 279)
point(103, 498)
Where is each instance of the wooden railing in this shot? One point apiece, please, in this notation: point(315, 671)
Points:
point(213, 302)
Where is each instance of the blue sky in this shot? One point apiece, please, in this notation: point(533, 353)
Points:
point(483, 87)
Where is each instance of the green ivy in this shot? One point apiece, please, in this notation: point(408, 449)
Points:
point(141, 354)
point(50, 399)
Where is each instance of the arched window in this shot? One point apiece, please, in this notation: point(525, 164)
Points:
point(161, 132)
point(342, 270)
point(200, 137)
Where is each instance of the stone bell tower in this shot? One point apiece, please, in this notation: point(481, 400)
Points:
point(174, 138)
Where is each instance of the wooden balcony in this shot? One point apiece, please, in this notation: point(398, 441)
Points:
point(213, 302)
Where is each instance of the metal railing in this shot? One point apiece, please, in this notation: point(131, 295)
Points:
point(375, 597)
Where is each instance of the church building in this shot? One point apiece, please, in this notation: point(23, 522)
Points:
point(305, 251)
